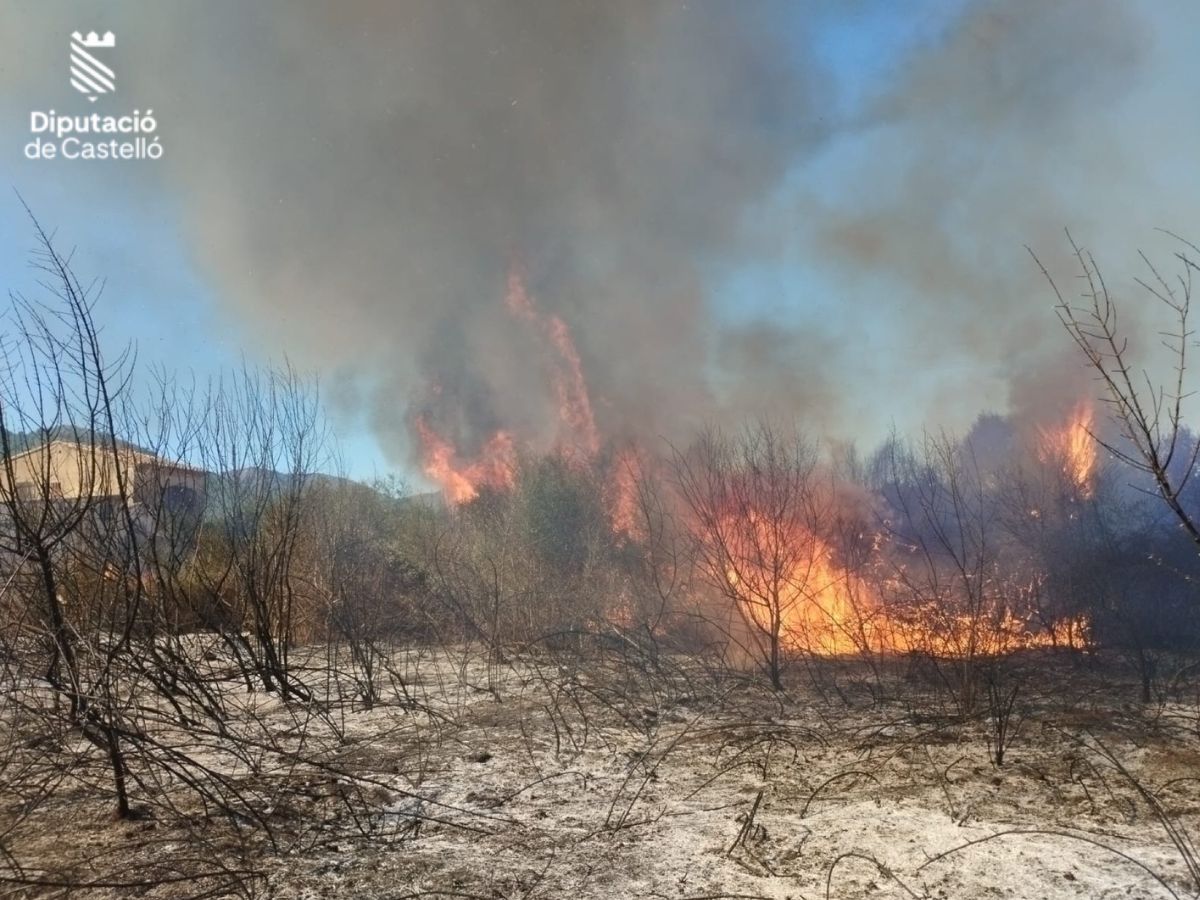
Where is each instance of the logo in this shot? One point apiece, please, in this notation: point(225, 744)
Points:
point(89, 75)
point(115, 135)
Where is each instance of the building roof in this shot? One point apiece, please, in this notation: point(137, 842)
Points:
point(102, 446)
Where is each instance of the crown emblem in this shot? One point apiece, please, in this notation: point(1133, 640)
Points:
point(93, 40)
point(90, 74)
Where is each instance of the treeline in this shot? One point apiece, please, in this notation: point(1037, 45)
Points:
point(752, 544)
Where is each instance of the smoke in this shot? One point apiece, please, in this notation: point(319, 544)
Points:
point(384, 166)
point(360, 178)
point(1023, 119)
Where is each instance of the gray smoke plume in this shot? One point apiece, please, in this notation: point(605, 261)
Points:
point(1023, 119)
point(359, 178)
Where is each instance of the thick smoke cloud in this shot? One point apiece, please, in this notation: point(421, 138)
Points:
point(359, 178)
point(378, 168)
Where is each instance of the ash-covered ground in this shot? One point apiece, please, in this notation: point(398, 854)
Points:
point(565, 776)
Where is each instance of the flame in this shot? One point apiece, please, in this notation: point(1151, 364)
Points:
point(1001, 628)
point(577, 437)
point(1072, 448)
point(493, 466)
point(622, 494)
point(789, 577)
point(784, 575)
point(827, 610)
point(566, 371)
point(835, 613)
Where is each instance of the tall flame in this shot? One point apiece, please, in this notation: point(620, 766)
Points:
point(622, 490)
point(577, 436)
point(1072, 448)
point(566, 371)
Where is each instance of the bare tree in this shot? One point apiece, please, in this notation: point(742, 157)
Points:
point(367, 583)
point(945, 586)
point(266, 439)
point(663, 565)
point(753, 506)
point(115, 598)
point(1149, 414)
point(62, 465)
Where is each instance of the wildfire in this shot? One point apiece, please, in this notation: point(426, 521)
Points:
point(1072, 448)
point(577, 435)
point(622, 498)
point(785, 578)
point(825, 609)
point(460, 481)
point(565, 369)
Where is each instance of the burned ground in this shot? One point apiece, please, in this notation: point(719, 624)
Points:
point(564, 776)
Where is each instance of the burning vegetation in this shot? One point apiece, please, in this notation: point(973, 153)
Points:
point(460, 476)
point(613, 288)
point(790, 554)
point(599, 588)
point(1071, 446)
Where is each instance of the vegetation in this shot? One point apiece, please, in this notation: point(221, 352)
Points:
point(205, 572)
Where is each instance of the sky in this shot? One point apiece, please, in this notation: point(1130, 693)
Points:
point(813, 210)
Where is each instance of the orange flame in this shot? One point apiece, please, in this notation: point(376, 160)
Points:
point(578, 436)
point(566, 375)
point(834, 614)
point(784, 576)
point(622, 499)
point(459, 481)
point(826, 610)
point(1072, 448)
